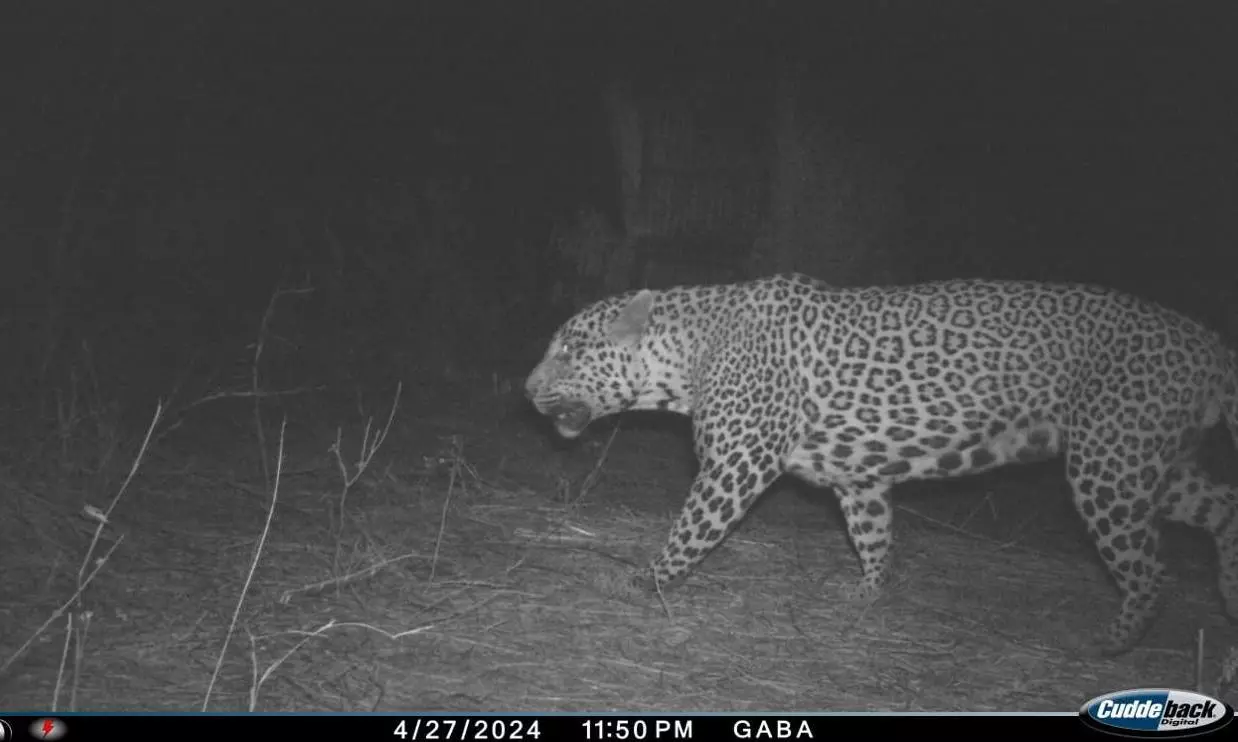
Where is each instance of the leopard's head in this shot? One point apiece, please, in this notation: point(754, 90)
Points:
point(593, 366)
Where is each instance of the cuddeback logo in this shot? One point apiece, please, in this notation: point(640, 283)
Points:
point(1155, 712)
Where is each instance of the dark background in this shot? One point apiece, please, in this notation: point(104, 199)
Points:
point(169, 165)
point(298, 227)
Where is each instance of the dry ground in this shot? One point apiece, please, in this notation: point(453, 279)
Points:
point(481, 565)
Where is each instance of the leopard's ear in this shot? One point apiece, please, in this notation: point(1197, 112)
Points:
point(627, 328)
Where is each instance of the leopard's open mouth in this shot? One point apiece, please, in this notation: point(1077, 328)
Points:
point(571, 419)
point(570, 416)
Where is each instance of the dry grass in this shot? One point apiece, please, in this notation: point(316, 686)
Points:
point(467, 562)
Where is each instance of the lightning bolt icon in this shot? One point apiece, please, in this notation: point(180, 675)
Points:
point(48, 726)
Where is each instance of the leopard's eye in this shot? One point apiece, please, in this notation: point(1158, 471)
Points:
point(564, 352)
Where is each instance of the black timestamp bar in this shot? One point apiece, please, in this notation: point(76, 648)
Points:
point(539, 727)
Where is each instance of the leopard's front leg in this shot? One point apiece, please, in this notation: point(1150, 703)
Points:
point(720, 495)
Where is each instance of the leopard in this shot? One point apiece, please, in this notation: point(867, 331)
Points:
point(860, 388)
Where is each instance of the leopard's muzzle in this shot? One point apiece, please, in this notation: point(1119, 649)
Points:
point(570, 417)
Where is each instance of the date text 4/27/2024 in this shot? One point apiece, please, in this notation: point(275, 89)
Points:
point(593, 729)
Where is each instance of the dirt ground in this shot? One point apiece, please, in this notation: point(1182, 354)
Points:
point(478, 564)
